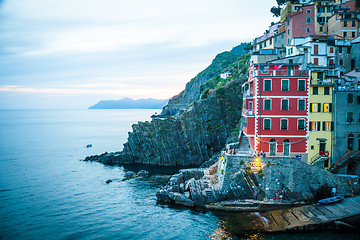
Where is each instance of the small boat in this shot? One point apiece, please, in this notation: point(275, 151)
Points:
point(89, 145)
point(331, 200)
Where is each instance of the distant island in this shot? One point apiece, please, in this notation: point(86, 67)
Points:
point(128, 103)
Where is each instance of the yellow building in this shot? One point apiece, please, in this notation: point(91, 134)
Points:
point(321, 121)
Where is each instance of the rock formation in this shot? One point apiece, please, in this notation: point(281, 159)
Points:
point(190, 138)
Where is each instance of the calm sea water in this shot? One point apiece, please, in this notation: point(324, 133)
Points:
point(47, 192)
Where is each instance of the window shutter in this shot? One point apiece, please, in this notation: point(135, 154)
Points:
point(330, 107)
point(323, 123)
point(310, 124)
point(332, 126)
point(311, 107)
point(319, 107)
point(318, 126)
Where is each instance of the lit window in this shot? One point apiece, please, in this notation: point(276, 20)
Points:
point(267, 124)
point(327, 107)
point(314, 126)
point(301, 124)
point(284, 104)
point(301, 104)
point(284, 84)
point(283, 124)
point(327, 126)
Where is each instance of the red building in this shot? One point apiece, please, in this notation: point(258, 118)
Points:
point(275, 111)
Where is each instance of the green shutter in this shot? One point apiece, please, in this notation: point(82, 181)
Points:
point(330, 107)
point(332, 126)
point(323, 123)
point(318, 126)
point(319, 107)
point(310, 124)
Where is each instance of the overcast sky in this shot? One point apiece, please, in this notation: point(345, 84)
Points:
point(73, 53)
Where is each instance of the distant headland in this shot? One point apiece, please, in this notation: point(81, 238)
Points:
point(128, 103)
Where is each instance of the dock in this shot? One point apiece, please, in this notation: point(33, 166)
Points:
point(310, 216)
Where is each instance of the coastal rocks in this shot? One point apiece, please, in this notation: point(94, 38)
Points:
point(130, 174)
point(186, 188)
point(189, 139)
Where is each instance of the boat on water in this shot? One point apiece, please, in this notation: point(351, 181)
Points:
point(331, 200)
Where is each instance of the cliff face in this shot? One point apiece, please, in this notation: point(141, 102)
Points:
point(190, 138)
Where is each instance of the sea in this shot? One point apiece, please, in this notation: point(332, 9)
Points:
point(48, 192)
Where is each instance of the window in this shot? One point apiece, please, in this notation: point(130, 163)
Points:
point(328, 126)
point(308, 10)
point(340, 49)
point(316, 61)
point(267, 104)
point(327, 107)
point(353, 34)
point(308, 20)
point(267, 85)
point(321, 29)
point(284, 84)
point(301, 124)
point(267, 124)
point(350, 98)
point(315, 107)
point(286, 147)
point(284, 124)
point(301, 85)
point(308, 29)
point(348, 50)
point(272, 147)
point(326, 91)
point(345, 34)
point(358, 99)
point(315, 90)
point(350, 142)
point(320, 75)
point(345, 23)
point(349, 117)
point(288, 31)
point(314, 126)
point(331, 50)
point(353, 23)
point(341, 62)
point(284, 104)
point(270, 41)
point(301, 104)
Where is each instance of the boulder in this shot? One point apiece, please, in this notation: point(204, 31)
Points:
point(180, 199)
point(143, 173)
point(129, 175)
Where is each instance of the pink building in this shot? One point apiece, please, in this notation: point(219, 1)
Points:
point(301, 23)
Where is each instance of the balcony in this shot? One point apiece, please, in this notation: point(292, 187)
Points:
point(322, 82)
point(248, 112)
point(247, 94)
point(283, 73)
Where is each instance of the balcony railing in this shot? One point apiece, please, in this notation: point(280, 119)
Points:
point(321, 82)
point(281, 73)
point(247, 94)
point(248, 112)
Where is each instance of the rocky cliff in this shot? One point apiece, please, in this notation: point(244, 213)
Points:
point(190, 138)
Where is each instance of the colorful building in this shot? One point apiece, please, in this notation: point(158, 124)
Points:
point(321, 120)
point(275, 111)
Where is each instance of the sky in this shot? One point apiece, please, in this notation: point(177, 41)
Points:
point(73, 53)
